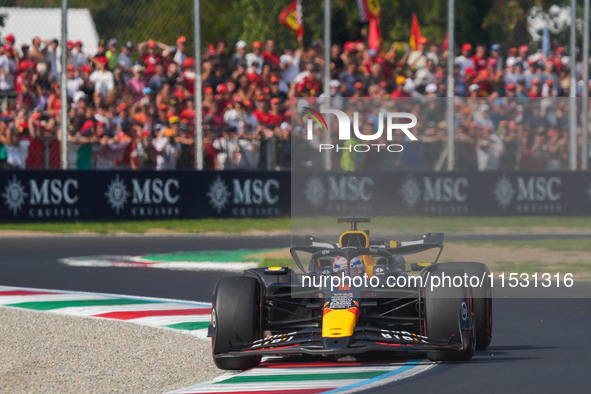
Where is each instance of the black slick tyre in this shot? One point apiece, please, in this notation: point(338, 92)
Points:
point(236, 319)
point(446, 310)
point(482, 296)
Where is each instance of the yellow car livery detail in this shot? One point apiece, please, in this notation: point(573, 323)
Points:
point(339, 322)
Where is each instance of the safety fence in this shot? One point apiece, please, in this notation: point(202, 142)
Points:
point(131, 91)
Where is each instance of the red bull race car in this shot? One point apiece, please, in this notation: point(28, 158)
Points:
point(351, 297)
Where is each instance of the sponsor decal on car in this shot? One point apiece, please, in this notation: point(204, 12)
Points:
point(274, 339)
point(403, 335)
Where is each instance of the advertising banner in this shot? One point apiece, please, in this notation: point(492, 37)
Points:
point(141, 195)
point(434, 194)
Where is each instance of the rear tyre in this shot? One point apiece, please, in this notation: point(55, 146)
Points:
point(236, 318)
point(447, 310)
point(482, 296)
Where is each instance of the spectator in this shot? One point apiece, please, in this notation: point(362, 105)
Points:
point(36, 53)
point(239, 57)
point(464, 60)
point(26, 55)
point(209, 154)
point(125, 63)
point(337, 101)
point(187, 147)
point(102, 78)
point(283, 150)
point(187, 115)
point(74, 82)
point(50, 54)
point(136, 85)
point(336, 62)
point(266, 137)
point(348, 78)
point(42, 86)
point(105, 149)
point(79, 58)
point(10, 40)
point(289, 63)
point(150, 57)
point(557, 150)
point(142, 151)
point(84, 138)
point(489, 147)
point(269, 55)
point(254, 58)
point(219, 53)
point(111, 53)
point(234, 117)
point(418, 58)
point(523, 56)
point(465, 153)
point(227, 150)
point(479, 58)
point(24, 86)
point(188, 75)
point(166, 147)
point(157, 80)
point(7, 69)
point(400, 92)
point(179, 56)
point(16, 149)
point(511, 144)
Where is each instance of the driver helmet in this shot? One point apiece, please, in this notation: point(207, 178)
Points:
point(340, 266)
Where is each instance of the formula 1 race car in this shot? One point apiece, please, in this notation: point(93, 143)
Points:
point(354, 296)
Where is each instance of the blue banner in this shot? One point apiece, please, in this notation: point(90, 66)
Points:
point(141, 195)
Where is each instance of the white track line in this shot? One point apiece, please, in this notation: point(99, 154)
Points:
point(381, 381)
point(168, 320)
point(134, 261)
point(99, 310)
point(5, 300)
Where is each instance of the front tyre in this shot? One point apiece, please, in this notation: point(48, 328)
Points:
point(448, 317)
point(236, 318)
point(482, 295)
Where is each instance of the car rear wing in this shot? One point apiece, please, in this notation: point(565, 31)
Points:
point(426, 242)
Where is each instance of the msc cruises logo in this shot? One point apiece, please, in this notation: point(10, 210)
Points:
point(14, 195)
point(247, 197)
point(146, 197)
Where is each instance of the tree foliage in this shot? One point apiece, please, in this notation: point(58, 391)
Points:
point(477, 21)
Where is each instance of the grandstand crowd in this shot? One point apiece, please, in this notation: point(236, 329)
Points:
point(133, 105)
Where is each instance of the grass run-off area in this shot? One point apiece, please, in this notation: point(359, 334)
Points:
point(542, 256)
point(525, 256)
point(516, 224)
point(520, 256)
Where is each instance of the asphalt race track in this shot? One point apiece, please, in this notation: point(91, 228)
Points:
point(539, 345)
point(33, 262)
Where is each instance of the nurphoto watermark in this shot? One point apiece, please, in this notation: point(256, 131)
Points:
point(392, 120)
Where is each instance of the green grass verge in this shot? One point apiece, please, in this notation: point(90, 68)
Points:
point(578, 267)
point(420, 224)
point(275, 262)
point(554, 245)
point(230, 226)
